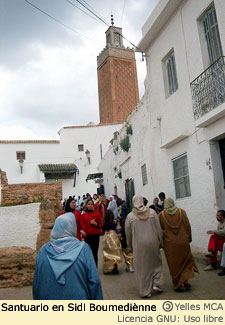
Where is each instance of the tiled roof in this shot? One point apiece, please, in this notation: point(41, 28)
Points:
point(91, 125)
point(58, 168)
point(29, 141)
point(94, 176)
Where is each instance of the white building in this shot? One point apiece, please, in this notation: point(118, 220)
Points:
point(73, 159)
point(66, 160)
point(178, 140)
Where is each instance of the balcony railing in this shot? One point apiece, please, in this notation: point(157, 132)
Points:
point(208, 89)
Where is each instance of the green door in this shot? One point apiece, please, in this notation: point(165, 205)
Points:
point(129, 190)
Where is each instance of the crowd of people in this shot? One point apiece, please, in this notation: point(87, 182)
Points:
point(66, 267)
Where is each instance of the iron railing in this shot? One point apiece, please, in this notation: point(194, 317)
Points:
point(208, 89)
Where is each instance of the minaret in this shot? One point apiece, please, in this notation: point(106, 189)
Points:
point(117, 78)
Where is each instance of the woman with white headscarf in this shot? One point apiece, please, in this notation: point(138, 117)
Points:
point(113, 206)
point(144, 237)
point(65, 267)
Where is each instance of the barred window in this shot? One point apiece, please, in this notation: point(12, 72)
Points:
point(170, 74)
point(20, 155)
point(212, 35)
point(181, 177)
point(80, 147)
point(144, 174)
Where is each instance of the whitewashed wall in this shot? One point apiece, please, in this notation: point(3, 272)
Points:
point(130, 162)
point(91, 137)
point(159, 120)
point(36, 153)
point(19, 225)
point(63, 152)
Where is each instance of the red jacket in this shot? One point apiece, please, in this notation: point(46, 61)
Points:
point(79, 222)
point(89, 228)
point(100, 208)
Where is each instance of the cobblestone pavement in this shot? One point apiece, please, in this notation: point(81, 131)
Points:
point(206, 285)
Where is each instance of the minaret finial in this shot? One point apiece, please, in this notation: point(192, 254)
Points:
point(112, 20)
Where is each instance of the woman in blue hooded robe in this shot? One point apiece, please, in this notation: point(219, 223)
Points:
point(65, 268)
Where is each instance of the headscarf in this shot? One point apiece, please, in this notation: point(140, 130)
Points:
point(139, 209)
point(67, 206)
point(63, 248)
point(169, 206)
point(113, 207)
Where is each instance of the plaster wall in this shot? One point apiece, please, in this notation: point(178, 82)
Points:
point(36, 153)
point(160, 119)
point(91, 137)
point(62, 152)
point(196, 49)
point(201, 206)
point(129, 163)
point(182, 34)
point(19, 225)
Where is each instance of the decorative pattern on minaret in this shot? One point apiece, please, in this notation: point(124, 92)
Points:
point(117, 78)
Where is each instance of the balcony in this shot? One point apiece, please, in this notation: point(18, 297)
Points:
point(208, 92)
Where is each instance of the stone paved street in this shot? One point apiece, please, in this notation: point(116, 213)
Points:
point(206, 285)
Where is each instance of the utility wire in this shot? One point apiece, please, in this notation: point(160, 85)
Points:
point(75, 31)
point(124, 3)
point(82, 4)
point(116, 32)
point(94, 10)
point(73, 4)
point(108, 24)
point(59, 22)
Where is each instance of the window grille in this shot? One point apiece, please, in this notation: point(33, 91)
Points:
point(144, 174)
point(212, 35)
point(181, 177)
point(80, 147)
point(171, 74)
point(20, 155)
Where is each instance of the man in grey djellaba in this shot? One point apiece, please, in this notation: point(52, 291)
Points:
point(144, 236)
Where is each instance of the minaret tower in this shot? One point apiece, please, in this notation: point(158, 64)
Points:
point(117, 78)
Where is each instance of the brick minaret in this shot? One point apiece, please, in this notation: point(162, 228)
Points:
point(117, 79)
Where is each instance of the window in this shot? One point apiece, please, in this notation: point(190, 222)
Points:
point(144, 174)
point(212, 35)
point(129, 192)
point(181, 177)
point(20, 155)
point(80, 147)
point(222, 154)
point(170, 74)
point(117, 39)
point(108, 39)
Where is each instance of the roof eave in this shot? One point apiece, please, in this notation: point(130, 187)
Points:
point(156, 21)
point(63, 171)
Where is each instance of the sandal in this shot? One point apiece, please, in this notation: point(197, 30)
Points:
point(156, 290)
point(187, 285)
point(180, 289)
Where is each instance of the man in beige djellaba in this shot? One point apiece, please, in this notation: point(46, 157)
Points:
point(145, 237)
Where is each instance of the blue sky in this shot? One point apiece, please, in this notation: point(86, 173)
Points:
point(48, 74)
